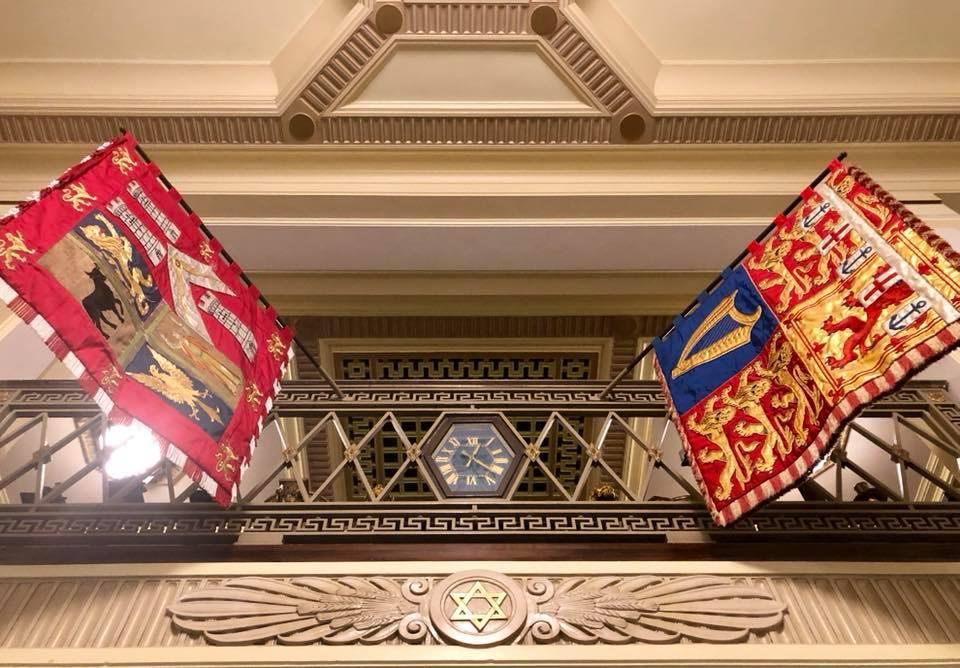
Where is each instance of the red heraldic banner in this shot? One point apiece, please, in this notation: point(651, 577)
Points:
point(848, 297)
point(123, 284)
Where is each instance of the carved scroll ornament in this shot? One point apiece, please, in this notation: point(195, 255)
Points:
point(477, 609)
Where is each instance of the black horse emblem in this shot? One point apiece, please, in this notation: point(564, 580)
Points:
point(102, 301)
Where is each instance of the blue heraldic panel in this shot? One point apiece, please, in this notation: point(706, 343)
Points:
point(716, 341)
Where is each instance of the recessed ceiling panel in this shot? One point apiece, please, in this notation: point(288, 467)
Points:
point(491, 76)
point(207, 31)
point(811, 31)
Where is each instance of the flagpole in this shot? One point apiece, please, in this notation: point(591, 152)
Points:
point(760, 237)
point(246, 279)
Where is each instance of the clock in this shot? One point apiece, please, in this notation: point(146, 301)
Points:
point(473, 456)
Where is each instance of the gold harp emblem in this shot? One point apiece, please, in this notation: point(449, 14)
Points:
point(738, 336)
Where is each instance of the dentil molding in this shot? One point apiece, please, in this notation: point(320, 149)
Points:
point(620, 107)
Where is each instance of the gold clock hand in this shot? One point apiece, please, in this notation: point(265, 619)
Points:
point(485, 466)
point(471, 458)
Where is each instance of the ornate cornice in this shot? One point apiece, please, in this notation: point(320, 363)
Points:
point(807, 129)
point(499, 130)
point(343, 67)
point(621, 113)
point(495, 130)
point(75, 129)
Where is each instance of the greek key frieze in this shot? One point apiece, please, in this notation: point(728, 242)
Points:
point(942, 519)
point(298, 398)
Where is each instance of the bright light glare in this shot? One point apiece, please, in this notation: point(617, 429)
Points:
point(133, 450)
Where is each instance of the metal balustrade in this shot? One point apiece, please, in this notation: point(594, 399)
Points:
point(921, 411)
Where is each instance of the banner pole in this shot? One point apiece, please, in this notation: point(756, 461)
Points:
point(246, 279)
point(760, 237)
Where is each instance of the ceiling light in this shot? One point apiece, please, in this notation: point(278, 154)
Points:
point(132, 449)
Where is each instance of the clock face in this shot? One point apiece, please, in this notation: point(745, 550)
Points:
point(473, 459)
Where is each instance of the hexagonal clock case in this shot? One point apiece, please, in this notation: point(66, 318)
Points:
point(473, 455)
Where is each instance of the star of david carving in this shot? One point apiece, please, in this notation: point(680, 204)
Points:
point(463, 613)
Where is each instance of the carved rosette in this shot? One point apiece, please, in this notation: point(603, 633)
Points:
point(477, 609)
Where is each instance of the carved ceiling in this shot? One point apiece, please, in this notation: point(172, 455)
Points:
point(482, 72)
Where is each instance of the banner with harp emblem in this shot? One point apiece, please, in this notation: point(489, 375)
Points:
point(123, 282)
point(843, 301)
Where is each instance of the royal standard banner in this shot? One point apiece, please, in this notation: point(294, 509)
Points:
point(847, 297)
point(121, 281)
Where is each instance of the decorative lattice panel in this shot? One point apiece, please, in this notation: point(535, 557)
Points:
point(383, 457)
point(622, 331)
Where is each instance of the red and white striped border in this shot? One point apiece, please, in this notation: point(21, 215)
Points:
point(89, 383)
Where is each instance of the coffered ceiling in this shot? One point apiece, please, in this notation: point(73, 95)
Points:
point(578, 72)
point(564, 153)
point(182, 31)
point(816, 30)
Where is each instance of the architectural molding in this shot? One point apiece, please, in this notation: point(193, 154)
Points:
point(813, 87)
point(670, 86)
point(631, 98)
point(520, 211)
point(115, 89)
point(467, 293)
point(318, 39)
point(836, 613)
point(427, 567)
point(764, 80)
point(635, 62)
point(807, 129)
point(477, 608)
point(792, 523)
point(911, 172)
point(152, 129)
point(309, 118)
point(529, 213)
point(561, 656)
point(468, 50)
point(432, 130)
point(315, 398)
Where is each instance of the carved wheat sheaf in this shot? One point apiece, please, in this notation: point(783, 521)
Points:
point(651, 609)
point(304, 611)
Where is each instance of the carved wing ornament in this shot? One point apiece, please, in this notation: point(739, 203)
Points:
point(303, 611)
point(654, 610)
point(477, 608)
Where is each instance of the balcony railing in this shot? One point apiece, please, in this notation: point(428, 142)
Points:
point(905, 467)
